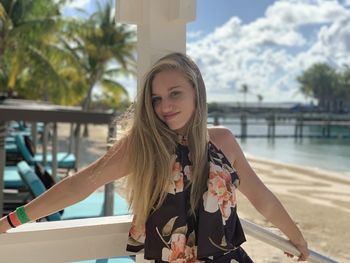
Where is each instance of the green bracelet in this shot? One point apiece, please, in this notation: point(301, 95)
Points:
point(22, 215)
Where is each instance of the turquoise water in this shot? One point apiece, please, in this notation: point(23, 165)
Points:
point(330, 154)
point(325, 153)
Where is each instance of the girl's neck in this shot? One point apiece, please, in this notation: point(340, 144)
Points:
point(182, 139)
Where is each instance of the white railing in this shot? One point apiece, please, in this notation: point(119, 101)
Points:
point(66, 241)
point(104, 237)
point(277, 241)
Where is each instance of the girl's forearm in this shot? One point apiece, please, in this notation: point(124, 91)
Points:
point(274, 212)
point(67, 192)
point(61, 195)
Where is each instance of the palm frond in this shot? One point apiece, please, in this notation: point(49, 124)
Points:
point(44, 64)
point(34, 30)
point(82, 11)
point(114, 86)
point(3, 14)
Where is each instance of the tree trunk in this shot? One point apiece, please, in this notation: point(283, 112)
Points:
point(93, 79)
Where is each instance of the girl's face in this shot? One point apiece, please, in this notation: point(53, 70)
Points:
point(173, 99)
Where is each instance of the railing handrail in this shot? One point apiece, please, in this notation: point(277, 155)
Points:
point(54, 237)
point(66, 240)
point(279, 242)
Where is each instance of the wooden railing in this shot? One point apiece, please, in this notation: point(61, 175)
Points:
point(104, 237)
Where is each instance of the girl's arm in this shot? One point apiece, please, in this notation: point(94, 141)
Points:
point(258, 194)
point(72, 189)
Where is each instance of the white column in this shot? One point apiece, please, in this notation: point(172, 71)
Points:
point(161, 27)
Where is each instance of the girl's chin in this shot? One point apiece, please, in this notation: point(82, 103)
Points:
point(180, 130)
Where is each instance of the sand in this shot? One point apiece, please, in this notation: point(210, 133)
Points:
point(317, 200)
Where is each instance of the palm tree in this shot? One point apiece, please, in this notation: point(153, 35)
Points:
point(321, 82)
point(343, 92)
point(244, 89)
point(104, 49)
point(260, 97)
point(28, 46)
point(58, 80)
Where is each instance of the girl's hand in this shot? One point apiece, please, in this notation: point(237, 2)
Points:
point(303, 249)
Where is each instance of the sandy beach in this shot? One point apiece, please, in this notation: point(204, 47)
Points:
point(317, 200)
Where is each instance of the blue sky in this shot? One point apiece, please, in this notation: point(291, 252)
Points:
point(264, 44)
point(210, 15)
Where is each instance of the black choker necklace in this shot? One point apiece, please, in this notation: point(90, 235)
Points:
point(182, 139)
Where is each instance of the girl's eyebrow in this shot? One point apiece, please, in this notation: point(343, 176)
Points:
point(170, 89)
point(174, 87)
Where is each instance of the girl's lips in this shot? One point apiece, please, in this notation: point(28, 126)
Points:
point(170, 116)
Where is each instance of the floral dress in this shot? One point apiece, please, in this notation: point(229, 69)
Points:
point(173, 234)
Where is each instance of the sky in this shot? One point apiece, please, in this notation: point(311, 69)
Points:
point(264, 44)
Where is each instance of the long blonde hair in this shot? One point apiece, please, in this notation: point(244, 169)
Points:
point(152, 144)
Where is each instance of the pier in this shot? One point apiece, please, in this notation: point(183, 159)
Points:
point(275, 115)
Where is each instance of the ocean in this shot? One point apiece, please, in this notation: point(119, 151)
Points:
point(324, 153)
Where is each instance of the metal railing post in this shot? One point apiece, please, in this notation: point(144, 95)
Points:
point(54, 152)
point(2, 163)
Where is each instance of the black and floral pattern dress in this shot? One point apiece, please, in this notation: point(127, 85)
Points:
point(172, 234)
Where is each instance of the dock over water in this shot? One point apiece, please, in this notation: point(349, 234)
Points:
point(326, 124)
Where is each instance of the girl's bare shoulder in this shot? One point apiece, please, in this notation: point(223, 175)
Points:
point(223, 139)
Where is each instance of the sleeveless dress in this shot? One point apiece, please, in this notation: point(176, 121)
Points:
point(173, 234)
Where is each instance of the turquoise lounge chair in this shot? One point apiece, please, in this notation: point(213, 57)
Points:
point(11, 148)
point(22, 126)
point(92, 206)
point(10, 139)
point(64, 160)
point(12, 179)
point(12, 198)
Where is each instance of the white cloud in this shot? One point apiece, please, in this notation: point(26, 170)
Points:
point(77, 3)
point(296, 13)
point(194, 34)
point(268, 53)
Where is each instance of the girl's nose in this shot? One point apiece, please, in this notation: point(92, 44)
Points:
point(166, 106)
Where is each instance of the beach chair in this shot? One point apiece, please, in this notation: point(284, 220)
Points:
point(12, 179)
point(15, 191)
point(13, 198)
point(92, 206)
point(22, 126)
point(64, 159)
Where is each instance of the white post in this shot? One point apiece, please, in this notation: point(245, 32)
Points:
point(161, 28)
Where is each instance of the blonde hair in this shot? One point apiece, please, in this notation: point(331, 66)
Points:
point(152, 144)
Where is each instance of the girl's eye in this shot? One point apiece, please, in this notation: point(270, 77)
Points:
point(175, 93)
point(155, 100)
